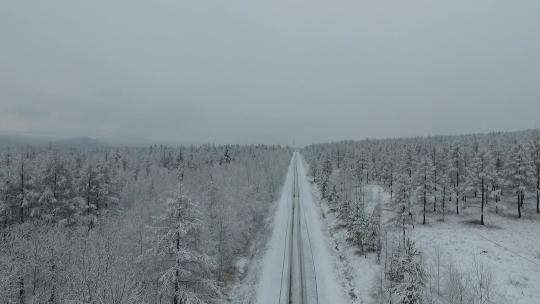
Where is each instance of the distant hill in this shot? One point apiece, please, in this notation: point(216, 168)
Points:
point(21, 140)
point(87, 142)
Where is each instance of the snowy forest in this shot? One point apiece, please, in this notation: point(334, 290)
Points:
point(436, 170)
point(270, 152)
point(409, 220)
point(131, 225)
point(426, 180)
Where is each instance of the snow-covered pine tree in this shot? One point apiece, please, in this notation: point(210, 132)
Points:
point(479, 175)
point(357, 228)
point(517, 174)
point(442, 180)
point(55, 189)
point(402, 201)
point(424, 182)
point(363, 167)
point(333, 198)
point(469, 177)
point(388, 175)
point(407, 276)
point(499, 176)
point(456, 169)
point(325, 178)
point(535, 154)
point(188, 275)
point(8, 189)
point(435, 176)
point(227, 156)
point(105, 190)
point(29, 187)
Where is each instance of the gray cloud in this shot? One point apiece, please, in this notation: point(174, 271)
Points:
point(268, 71)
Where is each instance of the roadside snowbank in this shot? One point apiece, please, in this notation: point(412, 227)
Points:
point(357, 273)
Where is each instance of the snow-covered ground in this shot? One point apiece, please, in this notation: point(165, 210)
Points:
point(508, 246)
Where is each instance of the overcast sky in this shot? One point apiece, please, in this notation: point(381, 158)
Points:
point(268, 71)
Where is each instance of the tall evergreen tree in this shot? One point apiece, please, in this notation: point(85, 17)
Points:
point(480, 174)
point(425, 183)
point(536, 167)
point(178, 233)
point(456, 170)
point(518, 175)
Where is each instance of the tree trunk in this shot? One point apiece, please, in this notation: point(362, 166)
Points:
point(391, 184)
point(88, 194)
point(55, 185)
point(435, 200)
point(425, 190)
point(424, 221)
point(537, 179)
point(221, 252)
point(435, 184)
point(21, 207)
point(177, 274)
point(457, 193)
point(538, 201)
point(52, 298)
point(21, 290)
point(443, 201)
point(487, 196)
point(482, 216)
point(457, 203)
point(403, 231)
point(519, 204)
point(97, 203)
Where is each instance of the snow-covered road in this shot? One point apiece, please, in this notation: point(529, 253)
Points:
point(298, 267)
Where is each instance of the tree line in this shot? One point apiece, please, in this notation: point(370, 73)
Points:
point(426, 177)
point(442, 174)
point(131, 225)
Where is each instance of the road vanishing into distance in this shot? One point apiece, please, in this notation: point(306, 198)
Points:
point(299, 278)
point(298, 267)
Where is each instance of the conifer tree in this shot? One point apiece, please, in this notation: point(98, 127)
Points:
point(479, 175)
point(536, 167)
point(456, 170)
point(518, 175)
point(425, 182)
point(178, 233)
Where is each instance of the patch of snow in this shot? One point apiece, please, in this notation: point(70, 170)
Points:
point(508, 246)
